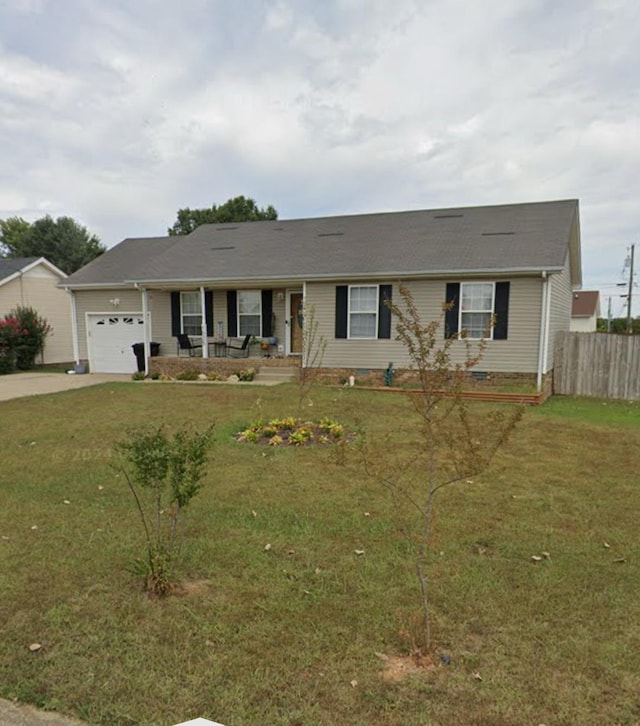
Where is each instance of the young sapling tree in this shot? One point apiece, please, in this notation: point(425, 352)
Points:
point(454, 441)
point(163, 473)
point(313, 348)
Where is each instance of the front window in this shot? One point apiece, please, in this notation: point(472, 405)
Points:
point(249, 313)
point(190, 313)
point(476, 309)
point(363, 311)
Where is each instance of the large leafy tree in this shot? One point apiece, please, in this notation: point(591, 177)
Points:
point(238, 209)
point(63, 241)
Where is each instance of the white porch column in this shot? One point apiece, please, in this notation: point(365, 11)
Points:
point(305, 330)
point(74, 326)
point(145, 330)
point(544, 333)
point(205, 332)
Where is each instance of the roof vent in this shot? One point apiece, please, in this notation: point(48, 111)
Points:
point(497, 234)
point(215, 249)
point(330, 234)
point(448, 216)
point(224, 229)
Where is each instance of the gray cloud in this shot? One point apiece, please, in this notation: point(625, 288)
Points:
point(119, 113)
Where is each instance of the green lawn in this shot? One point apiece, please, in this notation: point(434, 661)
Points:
point(291, 635)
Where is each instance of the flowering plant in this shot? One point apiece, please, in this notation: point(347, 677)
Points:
point(22, 337)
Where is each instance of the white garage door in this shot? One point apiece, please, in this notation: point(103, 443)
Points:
point(110, 341)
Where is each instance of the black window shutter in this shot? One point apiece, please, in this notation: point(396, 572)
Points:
point(342, 294)
point(452, 298)
point(176, 327)
point(232, 313)
point(384, 312)
point(267, 308)
point(208, 311)
point(501, 311)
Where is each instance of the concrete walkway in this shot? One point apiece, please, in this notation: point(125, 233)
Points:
point(12, 715)
point(34, 383)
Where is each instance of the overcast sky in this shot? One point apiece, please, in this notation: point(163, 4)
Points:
point(119, 112)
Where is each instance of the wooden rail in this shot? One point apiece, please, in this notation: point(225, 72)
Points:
point(525, 399)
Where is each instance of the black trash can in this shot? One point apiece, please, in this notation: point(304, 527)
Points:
point(138, 351)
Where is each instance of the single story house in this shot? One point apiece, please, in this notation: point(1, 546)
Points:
point(34, 282)
point(585, 311)
point(517, 262)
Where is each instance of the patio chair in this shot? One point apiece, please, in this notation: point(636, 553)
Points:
point(237, 348)
point(184, 343)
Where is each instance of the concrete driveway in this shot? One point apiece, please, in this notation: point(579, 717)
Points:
point(34, 383)
point(14, 715)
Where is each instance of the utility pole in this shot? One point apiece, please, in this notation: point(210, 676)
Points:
point(630, 293)
point(609, 316)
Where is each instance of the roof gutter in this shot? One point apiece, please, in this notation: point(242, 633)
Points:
point(297, 279)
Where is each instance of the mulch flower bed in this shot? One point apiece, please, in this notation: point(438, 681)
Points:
point(294, 432)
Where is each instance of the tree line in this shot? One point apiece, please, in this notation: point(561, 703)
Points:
point(618, 326)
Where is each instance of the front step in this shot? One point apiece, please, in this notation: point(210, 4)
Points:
point(276, 374)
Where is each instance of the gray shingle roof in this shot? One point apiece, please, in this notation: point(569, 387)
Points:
point(133, 258)
point(496, 239)
point(11, 265)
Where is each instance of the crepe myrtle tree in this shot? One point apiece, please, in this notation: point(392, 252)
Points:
point(453, 441)
point(23, 333)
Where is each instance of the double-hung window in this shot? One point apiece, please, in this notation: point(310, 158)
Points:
point(249, 312)
point(190, 313)
point(476, 309)
point(363, 311)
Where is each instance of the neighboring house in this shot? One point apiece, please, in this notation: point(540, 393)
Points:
point(585, 311)
point(519, 263)
point(33, 282)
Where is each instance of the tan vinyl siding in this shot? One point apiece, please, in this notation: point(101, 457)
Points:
point(519, 353)
point(36, 288)
point(561, 300)
point(97, 301)
point(160, 309)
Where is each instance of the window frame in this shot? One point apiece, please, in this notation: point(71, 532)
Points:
point(488, 333)
point(375, 311)
point(184, 314)
point(240, 315)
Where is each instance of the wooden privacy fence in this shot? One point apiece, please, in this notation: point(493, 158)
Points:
point(597, 364)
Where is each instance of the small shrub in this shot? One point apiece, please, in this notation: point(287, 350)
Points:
point(250, 435)
point(246, 374)
point(300, 435)
point(154, 375)
point(163, 474)
point(188, 374)
point(137, 376)
point(214, 376)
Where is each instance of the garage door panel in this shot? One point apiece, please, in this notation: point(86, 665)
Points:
point(111, 337)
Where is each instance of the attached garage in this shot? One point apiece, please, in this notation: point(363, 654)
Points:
point(110, 338)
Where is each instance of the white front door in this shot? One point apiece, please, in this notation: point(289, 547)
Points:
point(110, 337)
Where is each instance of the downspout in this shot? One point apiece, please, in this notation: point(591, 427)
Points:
point(74, 326)
point(205, 332)
point(544, 323)
point(145, 330)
